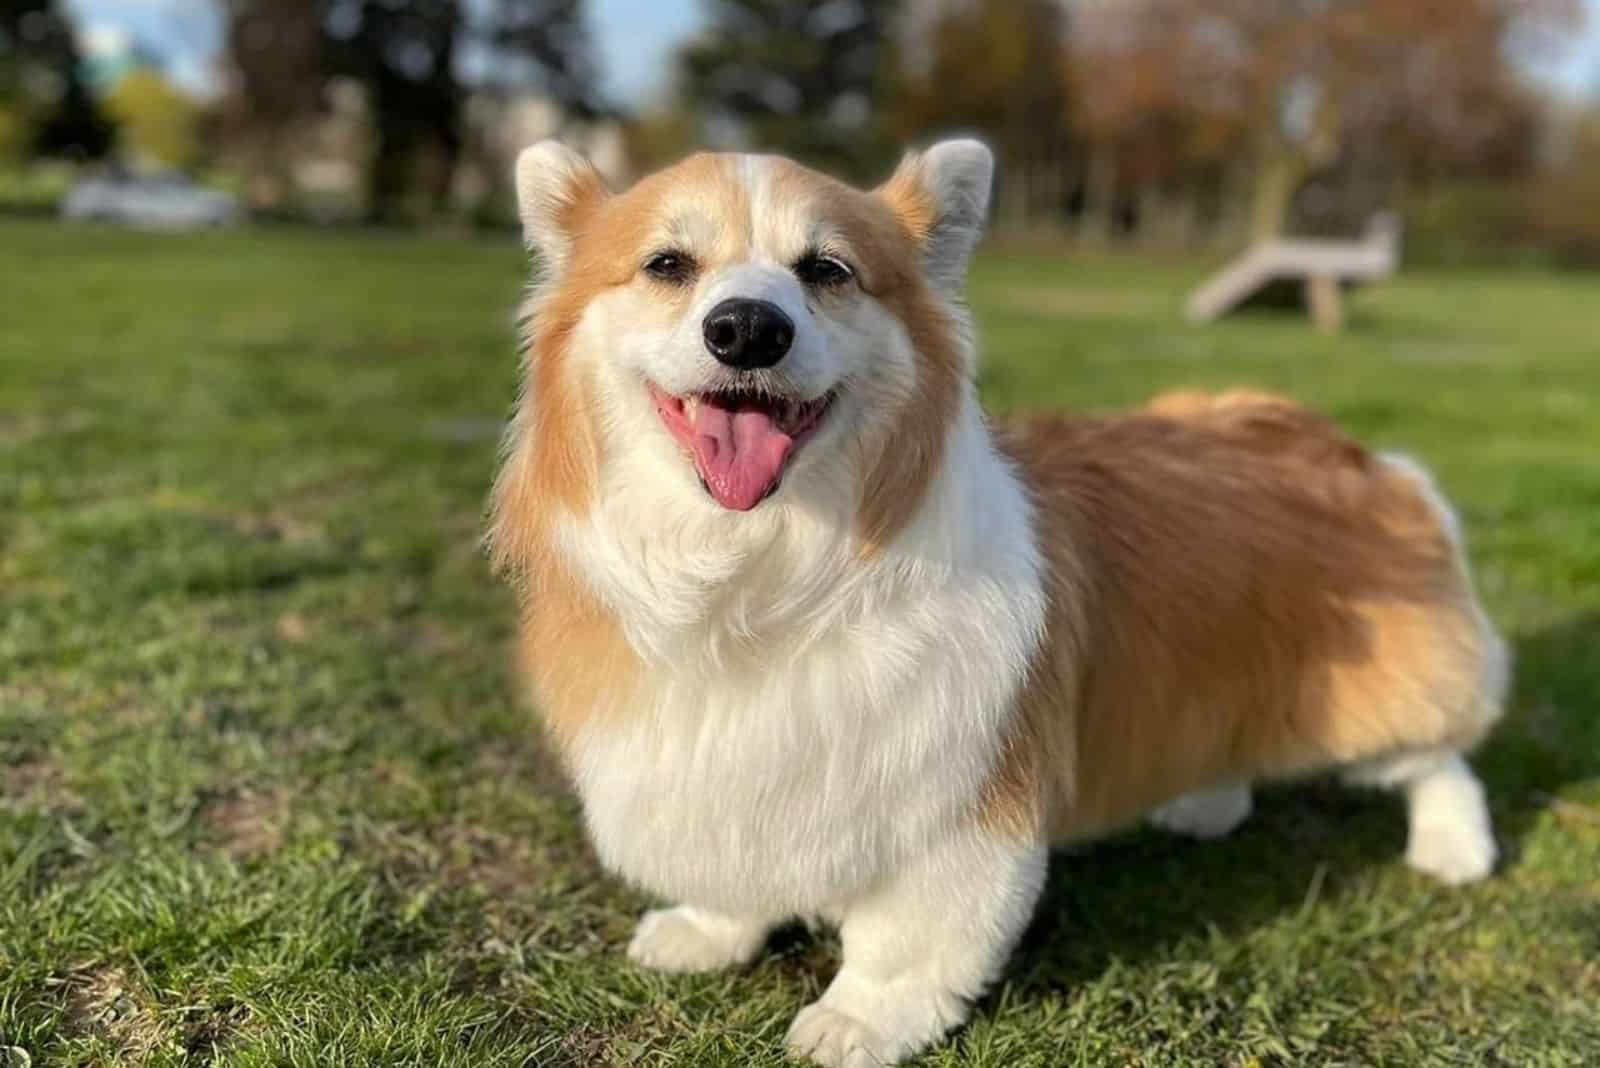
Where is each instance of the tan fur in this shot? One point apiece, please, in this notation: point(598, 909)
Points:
point(574, 656)
point(1239, 592)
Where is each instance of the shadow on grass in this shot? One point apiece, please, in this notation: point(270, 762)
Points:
point(1132, 897)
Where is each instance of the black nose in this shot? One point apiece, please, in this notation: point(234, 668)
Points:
point(748, 334)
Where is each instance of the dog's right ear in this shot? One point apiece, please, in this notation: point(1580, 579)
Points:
point(557, 190)
point(942, 199)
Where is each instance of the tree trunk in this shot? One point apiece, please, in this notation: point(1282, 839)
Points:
point(1285, 167)
point(1279, 179)
point(269, 169)
point(1099, 196)
point(390, 176)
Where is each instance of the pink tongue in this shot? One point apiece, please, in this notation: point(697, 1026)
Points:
point(740, 453)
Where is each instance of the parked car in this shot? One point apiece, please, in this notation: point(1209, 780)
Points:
point(168, 201)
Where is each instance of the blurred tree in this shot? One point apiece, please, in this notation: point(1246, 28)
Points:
point(541, 46)
point(406, 55)
point(155, 122)
point(1416, 84)
point(804, 76)
point(1296, 86)
point(528, 48)
point(276, 77)
point(13, 128)
point(1155, 102)
point(1565, 202)
point(1007, 58)
point(41, 84)
point(659, 137)
point(417, 61)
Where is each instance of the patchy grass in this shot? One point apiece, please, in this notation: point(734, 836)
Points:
point(267, 796)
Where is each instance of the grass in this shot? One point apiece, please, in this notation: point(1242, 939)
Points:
point(267, 795)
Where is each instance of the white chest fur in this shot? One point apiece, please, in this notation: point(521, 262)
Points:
point(785, 757)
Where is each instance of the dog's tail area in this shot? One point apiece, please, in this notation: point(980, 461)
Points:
point(1493, 652)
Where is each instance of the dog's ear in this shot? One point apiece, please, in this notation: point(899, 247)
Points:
point(557, 190)
point(942, 198)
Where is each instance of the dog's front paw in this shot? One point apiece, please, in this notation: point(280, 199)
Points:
point(687, 939)
point(836, 1040)
point(862, 1023)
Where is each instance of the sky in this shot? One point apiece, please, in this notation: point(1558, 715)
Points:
point(635, 39)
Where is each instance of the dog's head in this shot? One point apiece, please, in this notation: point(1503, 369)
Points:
point(738, 333)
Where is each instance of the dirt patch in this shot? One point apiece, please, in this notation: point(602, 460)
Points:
point(18, 430)
point(215, 1027)
point(28, 776)
point(582, 1047)
point(292, 627)
point(250, 823)
point(101, 1003)
point(37, 783)
point(488, 860)
point(278, 525)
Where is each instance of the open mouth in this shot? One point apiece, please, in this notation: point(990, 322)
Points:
point(741, 442)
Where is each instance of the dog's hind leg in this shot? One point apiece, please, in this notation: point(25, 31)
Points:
point(1209, 813)
point(687, 939)
point(1449, 833)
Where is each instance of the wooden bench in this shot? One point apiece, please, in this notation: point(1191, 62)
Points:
point(1315, 273)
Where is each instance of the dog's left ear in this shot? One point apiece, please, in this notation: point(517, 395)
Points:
point(557, 191)
point(942, 199)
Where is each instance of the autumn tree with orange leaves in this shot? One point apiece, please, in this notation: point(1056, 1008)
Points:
point(994, 67)
point(1283, 91)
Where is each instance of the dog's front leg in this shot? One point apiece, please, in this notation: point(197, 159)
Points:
point(919, 948)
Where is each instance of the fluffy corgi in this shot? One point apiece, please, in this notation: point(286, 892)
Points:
point(814, 638)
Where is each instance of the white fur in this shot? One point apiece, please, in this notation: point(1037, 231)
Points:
point(919, 947)
point(1449, 837)
point(959, 175)
point(1449, 834)
point(1210, 813)
point(544, 176)
point(687, 939)
point(816, 721)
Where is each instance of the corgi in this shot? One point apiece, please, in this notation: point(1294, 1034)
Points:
point(815, 638)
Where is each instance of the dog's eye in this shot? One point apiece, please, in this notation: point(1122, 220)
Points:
point(674, 267)
point(819, 270)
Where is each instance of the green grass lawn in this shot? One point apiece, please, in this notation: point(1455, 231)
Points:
point(267, 795)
